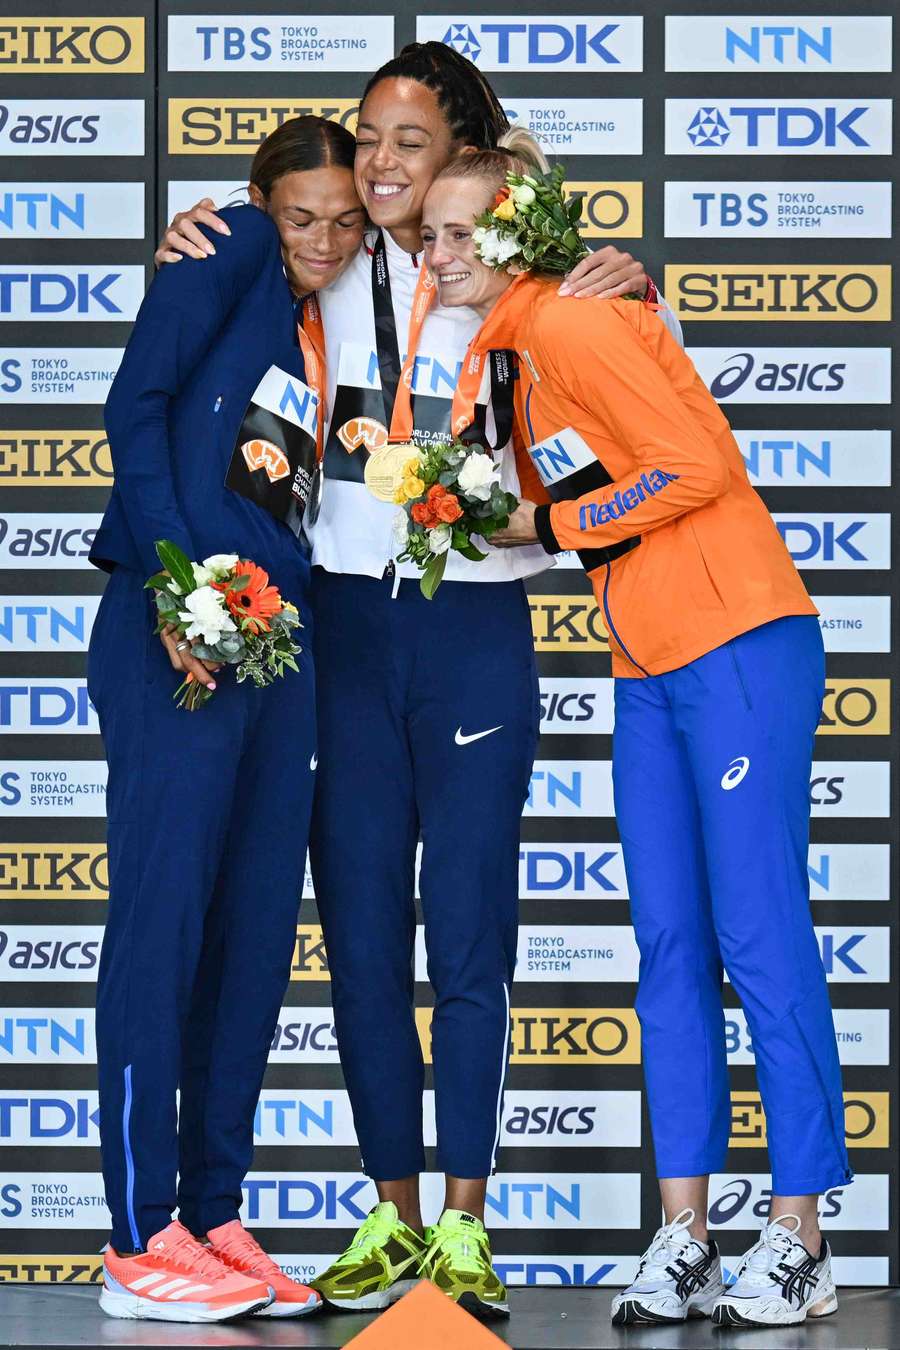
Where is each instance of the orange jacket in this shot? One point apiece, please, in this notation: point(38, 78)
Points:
point(644, 478)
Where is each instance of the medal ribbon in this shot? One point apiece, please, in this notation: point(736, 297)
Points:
point(504, 373)
point(311, 336)
point(396, 379)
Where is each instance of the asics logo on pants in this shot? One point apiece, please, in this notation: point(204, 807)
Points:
point(735, 773)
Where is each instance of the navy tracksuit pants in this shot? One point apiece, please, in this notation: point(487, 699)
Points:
point(711, 769)
point(428, 721)
point(207, 823)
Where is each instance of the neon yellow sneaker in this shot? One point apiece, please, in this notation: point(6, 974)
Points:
point(380, 1265)
point(458, 1261)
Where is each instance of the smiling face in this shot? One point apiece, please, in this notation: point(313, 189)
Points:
point(320, 220)
point(402, 142)
point(448, 220)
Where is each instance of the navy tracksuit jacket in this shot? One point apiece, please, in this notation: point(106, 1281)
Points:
point(208, 812)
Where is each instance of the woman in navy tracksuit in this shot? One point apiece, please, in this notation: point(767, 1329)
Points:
point(207, 811)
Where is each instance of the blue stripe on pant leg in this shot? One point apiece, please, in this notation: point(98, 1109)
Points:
point(129, 1160)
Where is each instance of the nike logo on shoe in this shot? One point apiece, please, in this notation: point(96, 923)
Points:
point(476, 735)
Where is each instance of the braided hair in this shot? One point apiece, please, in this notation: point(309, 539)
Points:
point(472, 109)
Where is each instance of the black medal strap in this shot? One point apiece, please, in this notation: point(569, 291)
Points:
point(386, 345)
point(504, 373)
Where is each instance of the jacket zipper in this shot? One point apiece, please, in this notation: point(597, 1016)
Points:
point(612, 627)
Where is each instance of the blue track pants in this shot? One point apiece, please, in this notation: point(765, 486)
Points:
point(428, 721)
point(711, 769)
point(207, 824)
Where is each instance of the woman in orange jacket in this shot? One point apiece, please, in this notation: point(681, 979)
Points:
point(719, 669)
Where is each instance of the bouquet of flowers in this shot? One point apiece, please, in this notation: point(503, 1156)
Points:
point(228, 602)
point(449, 492)
point(531, 224)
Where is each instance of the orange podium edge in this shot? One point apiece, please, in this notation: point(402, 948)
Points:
point(425, 1319)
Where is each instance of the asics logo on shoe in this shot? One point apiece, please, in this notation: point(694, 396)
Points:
point(460, 739)
point(735, 773)
point(689, 1277)
point(798, 1282)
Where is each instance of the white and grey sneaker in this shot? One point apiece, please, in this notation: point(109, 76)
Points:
point(778, 1283)
point(678, 1277)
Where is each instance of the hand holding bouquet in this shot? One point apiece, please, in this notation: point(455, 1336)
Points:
point(449, 492)
point(227, 602)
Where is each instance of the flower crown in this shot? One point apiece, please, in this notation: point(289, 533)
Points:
point(531, 226)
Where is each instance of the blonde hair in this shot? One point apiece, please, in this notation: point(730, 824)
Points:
point(517, 152)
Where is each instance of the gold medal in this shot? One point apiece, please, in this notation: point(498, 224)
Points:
point(384, 469)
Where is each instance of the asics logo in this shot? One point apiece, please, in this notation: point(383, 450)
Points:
point(735, 773)
point(475, 736)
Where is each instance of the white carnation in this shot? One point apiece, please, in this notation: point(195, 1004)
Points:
point(401, 529)
point(478, 475)
point(507, 248)
point(206, 615)
point(221, 563)
point(487, 241)
point(202, 575)
point(439, 539)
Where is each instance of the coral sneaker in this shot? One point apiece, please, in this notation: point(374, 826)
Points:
point(238, 1249)
point(177, 1279)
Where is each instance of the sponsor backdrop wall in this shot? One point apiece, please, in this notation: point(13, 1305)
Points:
point(746, 158)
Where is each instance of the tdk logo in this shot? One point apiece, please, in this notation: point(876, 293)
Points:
point(547, 44)
point(708, 128)
point(43, 1118)
point(838, 956)
point(758, 126)
point(88, 293)
point(837, 540)
point(46, 705)
point(805, 541)
point(53, 293)
point(570, 869)
point(794, 127)
point(284, 1200)
point(575, 1271)
point(532, 42)
point(462, 39)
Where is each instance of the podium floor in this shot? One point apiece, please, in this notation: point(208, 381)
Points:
point(542, 1319)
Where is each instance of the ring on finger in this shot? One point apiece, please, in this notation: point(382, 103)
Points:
point(182, 646)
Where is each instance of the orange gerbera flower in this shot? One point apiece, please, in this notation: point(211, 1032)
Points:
point(258, 601)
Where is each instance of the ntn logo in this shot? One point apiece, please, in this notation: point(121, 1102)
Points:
point(36, 209)
point(27, 1034)
point(39, 619)
point(777, 40)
